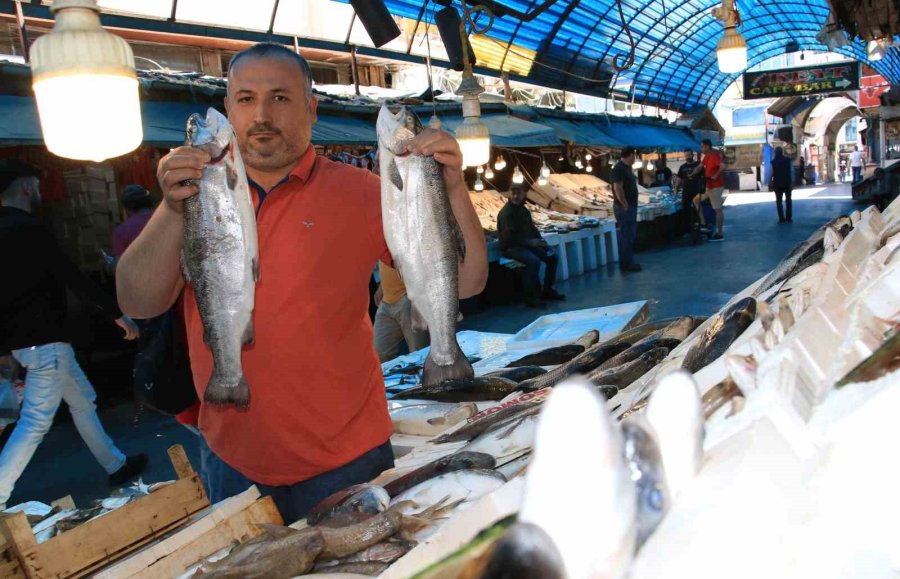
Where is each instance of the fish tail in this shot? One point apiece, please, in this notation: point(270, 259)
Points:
point(220, 393)
point(458, 369)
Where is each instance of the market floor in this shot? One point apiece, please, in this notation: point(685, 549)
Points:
point(678, 279)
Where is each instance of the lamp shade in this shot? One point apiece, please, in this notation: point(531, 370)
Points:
point(85, 86)
point(731, 52)
point(474, 142)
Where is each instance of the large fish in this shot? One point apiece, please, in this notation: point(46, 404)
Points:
point(727, 327)
point(622, 376)
point(441, 466)
point(486, 422)
point(518, 374)
point(668, 337)
point(221, 256)
point(425, 241)
point(430, 419)
point(580, 364)
point(361, 498)
point(449, 488)
point(461, 390)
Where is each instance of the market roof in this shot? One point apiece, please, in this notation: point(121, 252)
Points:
point(572, 42)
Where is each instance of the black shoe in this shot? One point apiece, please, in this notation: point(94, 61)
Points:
point(552, 294)
point(717, 237)
point(535, 304)
point(134, 466)
point(632, 267)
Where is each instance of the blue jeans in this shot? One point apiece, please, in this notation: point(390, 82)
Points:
point(857, 174)
point(626, 233)
point(296, 500)
point(53, 376)
point(532, 259)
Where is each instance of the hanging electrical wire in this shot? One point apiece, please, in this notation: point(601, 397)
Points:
point(630, 59)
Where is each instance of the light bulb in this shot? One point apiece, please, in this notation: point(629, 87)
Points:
point(875, 50)
point(589, 169)
point(499, 164)
point(489, 173)
point(472, 135)
point(479, 184)
point(579, 164)
point(518, 177)
point(637, 164)
point(588, 157)
point(545, 171)
point(731, 52)
point(434, 122)
point(650, 165)
point(561, 159)
point(85, 86)
point(542, 180)
point(612, 162)
point(480, 169)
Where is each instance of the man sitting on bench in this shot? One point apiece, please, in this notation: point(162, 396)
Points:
point(521, 241)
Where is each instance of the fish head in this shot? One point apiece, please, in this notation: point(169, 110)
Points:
point(212, 133)
point(370, 499)
point(396, 130)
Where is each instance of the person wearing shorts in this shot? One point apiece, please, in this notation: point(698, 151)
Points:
point(712, 168)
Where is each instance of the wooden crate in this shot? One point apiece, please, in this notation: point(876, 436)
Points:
point(97, 543)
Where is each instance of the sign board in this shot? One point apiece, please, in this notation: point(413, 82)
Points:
point(870, 91)
point(744, 156)
point(825, 78)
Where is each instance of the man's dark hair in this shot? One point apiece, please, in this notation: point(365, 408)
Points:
point(135, 198)
point(518, 187)
point(627, 152)
point(706, 142)
point(779, 151)
point(273, 50)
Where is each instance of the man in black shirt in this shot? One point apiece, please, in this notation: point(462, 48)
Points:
point(32, 317)
point(690, 187)
point(663, 175)
point(625, 205)
point(520, 240)
point(782, 183)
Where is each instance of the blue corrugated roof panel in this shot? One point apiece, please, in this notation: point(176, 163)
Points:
point(509, 131)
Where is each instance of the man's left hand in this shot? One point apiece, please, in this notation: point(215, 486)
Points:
point(443, 146)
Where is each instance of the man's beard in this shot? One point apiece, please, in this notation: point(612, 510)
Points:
point(274, 158)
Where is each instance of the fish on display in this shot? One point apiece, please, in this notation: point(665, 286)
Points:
point(461, 390)
point(491, 421)
point(361, 498)
point(668, 337)
point(549, 356)
point(516, 467)
point(581, 364)
point(622, 376)
point(525, 551)
point(370, 568)
point(883, 361)
point(517, 374)
point(425, 241)
point(449, 489)
point(385, 552)
point(586, 506)
point(721, 394)
point(220, 257)
point(720, 334)
point(634, 335)
point(508, 441)
point(644, 460)
point(282, 557)
point(446, 464)
point(675, 413)
point(345, 541)
point(430, 419)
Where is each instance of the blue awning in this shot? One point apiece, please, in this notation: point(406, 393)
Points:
point(509, 131)
point(164, 124)
point(657, 137)
point(582, 130)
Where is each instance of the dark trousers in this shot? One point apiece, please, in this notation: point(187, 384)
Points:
point(857, 174)
point(293, 501)
point(687, 210)
point(784, 192)
point(532, 258)
point(627, 232)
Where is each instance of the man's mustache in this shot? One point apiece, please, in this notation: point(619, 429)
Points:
point(262, 129)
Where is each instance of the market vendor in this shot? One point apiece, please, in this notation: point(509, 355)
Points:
point(393, 319)
point(318, 419)
point(712, 168)
point(690, 185)
point(625, 202)
point(520, 240)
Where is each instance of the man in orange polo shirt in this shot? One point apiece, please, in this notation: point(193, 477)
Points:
point(713, 170)
point(318, 419)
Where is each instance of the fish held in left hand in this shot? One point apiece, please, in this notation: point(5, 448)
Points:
point(221, 256)
point(424, 239)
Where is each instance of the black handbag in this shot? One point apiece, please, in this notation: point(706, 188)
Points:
point(162, 369)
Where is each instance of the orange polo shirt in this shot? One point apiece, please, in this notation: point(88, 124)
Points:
point(317, 397)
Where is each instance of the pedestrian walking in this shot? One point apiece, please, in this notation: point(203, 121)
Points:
point(781, 184)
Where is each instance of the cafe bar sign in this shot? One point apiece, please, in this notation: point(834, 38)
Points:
point(825, 78)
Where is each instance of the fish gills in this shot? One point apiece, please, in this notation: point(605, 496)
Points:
point(425, 241)
point(221, 257)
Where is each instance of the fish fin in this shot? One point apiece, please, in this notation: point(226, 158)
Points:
point(276, 531)
point(231, 177)
point(394, 174)
point(416, 319)
point(184, 270)
point(460, 240)
point(511, 428)
point(255, 266)
point(218, 394)
point(437, 421)
point(459, 369)
point(249, 335)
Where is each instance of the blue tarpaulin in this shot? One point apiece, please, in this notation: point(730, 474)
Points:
point(652, 136)
point(509, 131)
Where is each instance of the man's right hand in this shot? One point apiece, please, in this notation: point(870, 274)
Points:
point(180, 165)
point(131, 330)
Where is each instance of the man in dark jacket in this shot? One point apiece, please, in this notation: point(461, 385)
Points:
point(32, 319)
point(781, 183)
point(520, 240)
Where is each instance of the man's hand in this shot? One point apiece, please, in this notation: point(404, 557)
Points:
point(379, 295)
point(445, 149)
point(131, 330)
point(180, 165)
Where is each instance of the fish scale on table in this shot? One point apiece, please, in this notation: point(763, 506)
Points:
point(221, 256)
point(424, 239)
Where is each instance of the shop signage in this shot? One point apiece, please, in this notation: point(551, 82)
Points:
point(871, 90)
point(744, 156)
point(825, 78)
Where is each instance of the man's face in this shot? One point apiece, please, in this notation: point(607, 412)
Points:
point(271, 112)
point(517, 196)
point(689, 157)
point(704, 148)
point(629, 160)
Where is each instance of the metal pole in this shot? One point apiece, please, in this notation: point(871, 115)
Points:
point(353, 68)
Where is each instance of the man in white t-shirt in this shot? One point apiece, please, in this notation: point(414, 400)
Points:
point(857, 162)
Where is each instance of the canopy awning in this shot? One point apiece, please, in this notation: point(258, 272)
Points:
point(509, 131)
point(646, 136)
point(584, 133)
point(164, 124)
